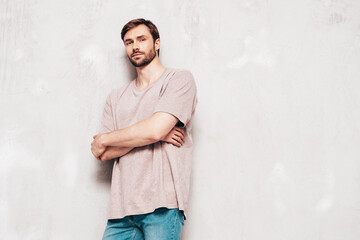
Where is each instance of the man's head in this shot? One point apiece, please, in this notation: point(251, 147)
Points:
point(142, 41)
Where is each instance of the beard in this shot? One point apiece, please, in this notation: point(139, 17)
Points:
point(148, 59)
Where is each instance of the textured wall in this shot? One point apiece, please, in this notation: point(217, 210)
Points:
point(276, 132)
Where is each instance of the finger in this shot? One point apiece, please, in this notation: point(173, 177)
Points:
point(176, 143)
point(180, 130)
point(178, 134)
point(97, 157)
point(179, 140)
point(94, 154)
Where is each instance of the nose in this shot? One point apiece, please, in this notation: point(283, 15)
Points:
point(136, 45)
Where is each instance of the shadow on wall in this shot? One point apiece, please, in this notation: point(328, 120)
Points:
point(104, 171)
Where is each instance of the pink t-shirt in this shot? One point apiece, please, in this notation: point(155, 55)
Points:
point(156, 175)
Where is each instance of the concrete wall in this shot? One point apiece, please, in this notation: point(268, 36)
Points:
point(276, 131)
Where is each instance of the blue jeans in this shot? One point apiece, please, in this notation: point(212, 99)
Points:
point(162, 224)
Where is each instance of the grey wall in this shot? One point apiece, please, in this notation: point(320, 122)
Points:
point(276, 131)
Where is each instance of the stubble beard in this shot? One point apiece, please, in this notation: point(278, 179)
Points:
point(148, 59)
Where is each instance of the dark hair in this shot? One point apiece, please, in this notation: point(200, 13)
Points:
point(136, 22)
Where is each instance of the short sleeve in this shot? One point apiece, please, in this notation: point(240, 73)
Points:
point(107, 122)
point(179, 97)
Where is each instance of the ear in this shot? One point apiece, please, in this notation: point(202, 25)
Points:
point(157, 44)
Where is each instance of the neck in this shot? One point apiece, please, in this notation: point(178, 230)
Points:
point(149, 73)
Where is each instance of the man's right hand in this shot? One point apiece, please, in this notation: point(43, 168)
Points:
point(176, 137)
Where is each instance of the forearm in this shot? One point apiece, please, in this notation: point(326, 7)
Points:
point(114, 152)
point(143, 133)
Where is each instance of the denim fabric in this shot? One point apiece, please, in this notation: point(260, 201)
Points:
point(162, 224)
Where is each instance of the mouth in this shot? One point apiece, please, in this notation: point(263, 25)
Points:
point(136, 54)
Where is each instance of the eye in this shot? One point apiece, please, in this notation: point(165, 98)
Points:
point(143, 39)
point(128, 43)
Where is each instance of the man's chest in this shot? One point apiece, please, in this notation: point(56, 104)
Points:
point(131, 108)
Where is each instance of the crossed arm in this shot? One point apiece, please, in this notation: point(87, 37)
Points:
point(159, 127)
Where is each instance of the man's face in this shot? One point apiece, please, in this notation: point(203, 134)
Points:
point(140, 46)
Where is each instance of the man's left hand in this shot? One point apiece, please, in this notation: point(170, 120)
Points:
point(97, 146)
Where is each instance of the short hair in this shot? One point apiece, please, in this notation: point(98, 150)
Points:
point(136, 22)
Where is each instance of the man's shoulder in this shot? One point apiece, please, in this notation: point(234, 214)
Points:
point(181, 78)
point(181, 73)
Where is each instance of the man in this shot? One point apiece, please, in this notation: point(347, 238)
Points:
point(146, 127)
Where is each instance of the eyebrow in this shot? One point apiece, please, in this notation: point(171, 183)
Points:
point(129, 39)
